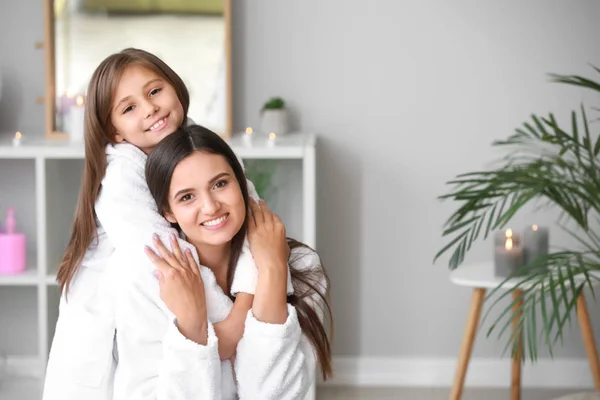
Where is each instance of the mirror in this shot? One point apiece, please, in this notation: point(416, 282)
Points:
point(192, 36)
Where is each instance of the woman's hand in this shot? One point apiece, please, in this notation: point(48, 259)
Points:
point(268, 245)
point(266, 234)
point(181, 288)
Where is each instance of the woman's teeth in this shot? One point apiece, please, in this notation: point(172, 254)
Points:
point(156, 125)
point(216, 222)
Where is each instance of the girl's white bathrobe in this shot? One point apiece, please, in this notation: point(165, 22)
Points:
point(116, 339)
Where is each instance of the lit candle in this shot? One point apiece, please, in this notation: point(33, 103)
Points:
point(508, 258)
point(17, 139)
point(535, 242)
point(76, 121)
point(501, 237)
point(272, 139)
point(248, 136)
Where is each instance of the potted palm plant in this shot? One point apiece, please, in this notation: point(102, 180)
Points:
point(559, 167)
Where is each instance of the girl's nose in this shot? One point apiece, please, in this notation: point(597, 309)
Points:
point(150, 109)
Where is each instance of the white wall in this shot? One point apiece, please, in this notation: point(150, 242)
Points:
point(405, 95)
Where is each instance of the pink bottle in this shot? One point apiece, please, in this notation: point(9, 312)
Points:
point(12, 247)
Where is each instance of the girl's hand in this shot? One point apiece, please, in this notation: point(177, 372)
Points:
point(181, 288)
point(266, 235)
point(231, 329)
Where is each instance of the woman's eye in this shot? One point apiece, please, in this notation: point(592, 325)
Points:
point(128, 109)
point(220, 184)
point(186, 197)
point(155, 91)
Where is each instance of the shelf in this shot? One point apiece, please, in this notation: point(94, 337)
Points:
point(290, 146)
point(27, 278)
point(20, 388)
point(51, 280)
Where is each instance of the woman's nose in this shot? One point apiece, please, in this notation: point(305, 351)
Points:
point(210, 206)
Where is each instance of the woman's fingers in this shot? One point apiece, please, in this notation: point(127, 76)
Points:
point(256, 212)
point(165, 253)
point(161, 265)
point(266, 213)
point(177, 251)
point(191, 262)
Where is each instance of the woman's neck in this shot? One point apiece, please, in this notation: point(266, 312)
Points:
point(216, 258)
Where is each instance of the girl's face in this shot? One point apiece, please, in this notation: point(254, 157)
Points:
point(145, 108)
point(205, 199)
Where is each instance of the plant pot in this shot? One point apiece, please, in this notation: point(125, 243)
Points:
point(274, 121)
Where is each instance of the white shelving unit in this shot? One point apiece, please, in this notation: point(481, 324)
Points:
point(57, 169)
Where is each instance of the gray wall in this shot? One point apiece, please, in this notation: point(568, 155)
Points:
point(404, 95)
point(21, 67)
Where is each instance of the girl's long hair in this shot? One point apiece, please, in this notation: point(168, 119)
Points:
point(98, 133)
point(310, 284)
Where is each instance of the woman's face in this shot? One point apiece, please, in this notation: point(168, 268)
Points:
point(205, 199)
point(145, 108)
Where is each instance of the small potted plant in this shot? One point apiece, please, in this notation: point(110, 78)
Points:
point(274, 117)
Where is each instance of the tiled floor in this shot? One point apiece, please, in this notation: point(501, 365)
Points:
point(30, 390)
point(348, 393)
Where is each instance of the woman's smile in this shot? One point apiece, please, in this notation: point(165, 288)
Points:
point(216, 223)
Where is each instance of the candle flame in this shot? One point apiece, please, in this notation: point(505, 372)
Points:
point(509, 244)
point(249, 131)
point(79, 101)
point(18, 135)
point(272, 136)
point(508, 233)
point(534, 228)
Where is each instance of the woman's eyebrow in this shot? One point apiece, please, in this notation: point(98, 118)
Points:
point(219, 176)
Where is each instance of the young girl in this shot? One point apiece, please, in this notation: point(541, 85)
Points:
point(134, 100)
point(194, 176)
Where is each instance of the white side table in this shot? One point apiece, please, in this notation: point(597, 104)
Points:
point(480, 277)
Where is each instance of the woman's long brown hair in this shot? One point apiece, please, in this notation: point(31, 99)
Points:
point(309, 284)
point(98, 133)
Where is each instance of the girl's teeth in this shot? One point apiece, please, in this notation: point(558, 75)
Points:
point(159, 123)
point(215, 222)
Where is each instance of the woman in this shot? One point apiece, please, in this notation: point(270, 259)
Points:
point(106, 281)
point(198, 183)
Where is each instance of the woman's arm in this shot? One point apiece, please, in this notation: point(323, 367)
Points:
point(167, 347)
point(274, 360)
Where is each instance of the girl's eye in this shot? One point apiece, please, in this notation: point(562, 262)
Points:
point(220, 184)
point(186, 197)
point(155, 91)
point(128, 109)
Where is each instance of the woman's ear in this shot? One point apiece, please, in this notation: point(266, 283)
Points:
point(170, 217)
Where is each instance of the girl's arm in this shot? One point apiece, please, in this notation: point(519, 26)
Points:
point(129, 216)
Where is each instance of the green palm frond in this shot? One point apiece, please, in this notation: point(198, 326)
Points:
point(555, 167)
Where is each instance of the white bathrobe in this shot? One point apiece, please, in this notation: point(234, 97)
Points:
point(114, 303)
